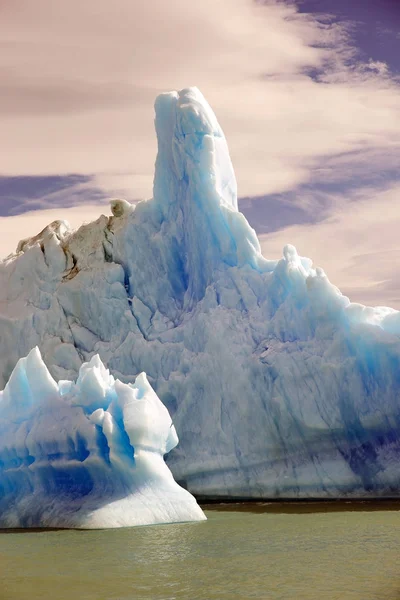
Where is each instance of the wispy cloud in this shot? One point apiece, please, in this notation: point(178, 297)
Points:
point(79, 81)
point(29, 193)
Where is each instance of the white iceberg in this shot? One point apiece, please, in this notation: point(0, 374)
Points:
point(87, 454)
point(278, 385)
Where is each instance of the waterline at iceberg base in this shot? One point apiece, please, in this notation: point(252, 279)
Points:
point(278, 385)
point(87, 454)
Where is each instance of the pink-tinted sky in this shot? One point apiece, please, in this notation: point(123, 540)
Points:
point(308, 94)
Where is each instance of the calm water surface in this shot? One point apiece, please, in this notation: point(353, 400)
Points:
point(254, 553)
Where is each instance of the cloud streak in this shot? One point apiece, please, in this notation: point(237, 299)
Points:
point(25, 194)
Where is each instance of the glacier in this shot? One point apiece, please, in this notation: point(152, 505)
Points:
point(278, 385)
point(87, 454)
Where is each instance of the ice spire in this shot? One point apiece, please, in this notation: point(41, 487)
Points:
point(195, 188)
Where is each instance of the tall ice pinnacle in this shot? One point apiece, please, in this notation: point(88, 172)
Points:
point(195, 188)
point(193, 147)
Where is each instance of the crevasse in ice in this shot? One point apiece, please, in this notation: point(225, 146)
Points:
point(87, 454)
point(278, 385)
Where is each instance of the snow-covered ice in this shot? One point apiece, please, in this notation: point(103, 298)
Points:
point(87, 454)
point(278, 385)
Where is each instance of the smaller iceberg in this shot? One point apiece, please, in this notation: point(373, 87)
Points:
point(87, 454)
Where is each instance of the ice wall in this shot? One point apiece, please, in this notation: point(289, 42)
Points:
point(279, 386)
point(87, 454)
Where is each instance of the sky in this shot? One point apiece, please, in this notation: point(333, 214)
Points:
point(307, 92)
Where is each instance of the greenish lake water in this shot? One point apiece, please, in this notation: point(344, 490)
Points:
point(241, 552)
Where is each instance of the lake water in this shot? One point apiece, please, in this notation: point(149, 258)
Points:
point(241, 552)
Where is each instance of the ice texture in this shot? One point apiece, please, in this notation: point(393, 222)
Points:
point(278, 385)
point(87, 454)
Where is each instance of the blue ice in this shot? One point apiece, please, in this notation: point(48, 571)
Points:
point(87, 454)
point(278, 384)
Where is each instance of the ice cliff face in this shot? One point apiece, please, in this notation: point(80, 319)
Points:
point(86, 454)
point(278, 385)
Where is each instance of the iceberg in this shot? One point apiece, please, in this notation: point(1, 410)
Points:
point(279, 386)
point(87, 454)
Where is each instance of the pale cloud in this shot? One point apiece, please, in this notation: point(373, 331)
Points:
point(377, 65)
point(357, 245)
point(79, 80)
